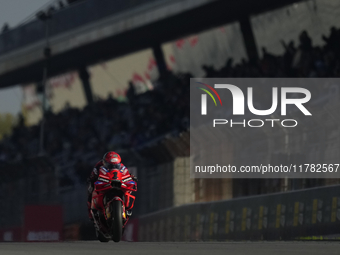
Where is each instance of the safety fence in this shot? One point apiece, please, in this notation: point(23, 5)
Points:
point(30, 181)
point(283, 216)
point(163, 173)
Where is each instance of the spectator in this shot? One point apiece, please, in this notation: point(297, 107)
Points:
point(61, 5)
point(131, 92)
point(305, 41)
point(5, 28)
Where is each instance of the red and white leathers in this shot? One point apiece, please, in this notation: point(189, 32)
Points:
point(93, 178)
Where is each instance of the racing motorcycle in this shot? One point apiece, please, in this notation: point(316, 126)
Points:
point(111, 200)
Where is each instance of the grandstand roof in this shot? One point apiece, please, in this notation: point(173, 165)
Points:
point(79, 35)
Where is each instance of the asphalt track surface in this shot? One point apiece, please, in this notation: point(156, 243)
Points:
point(192, 248)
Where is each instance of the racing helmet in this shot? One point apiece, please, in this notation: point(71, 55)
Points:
point(112, 160)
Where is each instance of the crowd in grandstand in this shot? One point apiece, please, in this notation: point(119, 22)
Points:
point(301, 61)
point(109, 124)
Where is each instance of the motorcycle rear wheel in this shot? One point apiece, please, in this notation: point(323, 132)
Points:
point(117, 223)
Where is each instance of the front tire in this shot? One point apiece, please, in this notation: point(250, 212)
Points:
point(117, 223)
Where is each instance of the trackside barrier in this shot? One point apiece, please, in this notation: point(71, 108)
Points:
point(41, 223)
point(32, 181)
point(283, 216)
point(13, 234)
point(71, 232)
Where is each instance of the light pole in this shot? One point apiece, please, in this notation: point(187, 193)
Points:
point(45, 17)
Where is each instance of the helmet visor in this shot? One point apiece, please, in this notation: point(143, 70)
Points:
point(111, 166)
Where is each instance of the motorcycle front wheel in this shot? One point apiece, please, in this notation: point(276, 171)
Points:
point(117, 220)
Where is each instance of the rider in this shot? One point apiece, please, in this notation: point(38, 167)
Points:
point(111, 160)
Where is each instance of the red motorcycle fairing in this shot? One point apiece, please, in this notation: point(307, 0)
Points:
point(110, 186)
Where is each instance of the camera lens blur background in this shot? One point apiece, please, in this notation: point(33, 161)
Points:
point(81, 77)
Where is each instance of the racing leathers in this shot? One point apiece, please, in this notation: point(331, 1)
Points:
point(94, 177)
